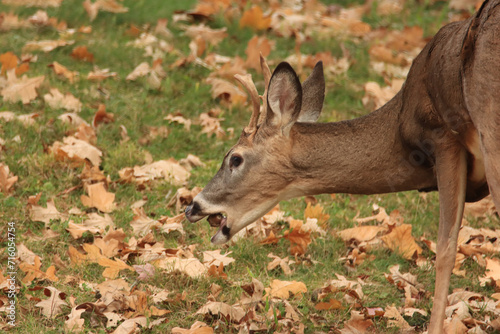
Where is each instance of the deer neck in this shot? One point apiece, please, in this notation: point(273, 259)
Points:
point(366, 155)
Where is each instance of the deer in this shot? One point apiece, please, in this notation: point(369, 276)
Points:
point(441, 132)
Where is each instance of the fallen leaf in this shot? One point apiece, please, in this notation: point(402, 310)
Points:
point(332, 304)
point(46, 215)
point(216, 258)
point(45, 45)
point(230, 313)
point(7, 179)
point(33, 3)
point(81, 53)
point(53, 306)
point(400, 240)
point(254, 18)
point(141, 223)
point(99, 198)
point(169, 170)
point(101, 116)
point(113, 267)
point(76, 150)
point(197, 328)
point(63, 71)
point(20, 89)
point(74, 323)
point(395, 318)
point(141, 70)
point(191, 266)
point(57, 100)
point(285, 289)
point(256, 46)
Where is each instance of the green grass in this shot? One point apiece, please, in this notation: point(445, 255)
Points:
point(138, 107)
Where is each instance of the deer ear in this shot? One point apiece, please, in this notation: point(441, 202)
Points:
point(313, 95)
point(284, 98)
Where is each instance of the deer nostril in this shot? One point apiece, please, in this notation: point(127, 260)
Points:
point(192, 210)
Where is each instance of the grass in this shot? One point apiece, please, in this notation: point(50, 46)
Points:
point(139, 108)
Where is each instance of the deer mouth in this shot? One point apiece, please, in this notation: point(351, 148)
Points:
point(223, 233)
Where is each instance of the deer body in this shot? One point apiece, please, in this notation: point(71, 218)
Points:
point(440, 132)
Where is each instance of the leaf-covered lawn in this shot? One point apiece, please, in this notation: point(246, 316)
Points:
point(113, 116)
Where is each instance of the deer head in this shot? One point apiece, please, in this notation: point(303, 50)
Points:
point(258, 171)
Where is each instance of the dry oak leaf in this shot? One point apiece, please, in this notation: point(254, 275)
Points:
point(299, 239)
point(45, 45)
point(26, 119)
point(492, 272)
point(141, 223)
point(100, 74)
point(211, 125)
point(33, 3)
point(56, 100)
point(113, 267)
point(129, 326)
point(357, 324)
point(216, 258)
point(102, 116)
point(212, 36)
point(401, 241)
point(395, 318)
point(7, 179)
point(277, 261)
point(112, 6)
point(76, 150)
point(63, 71)
point(228, 93)
point(257, 46)
point(72, 118)
point(99, 198)
point(285, 289)
point(332, 304)
point(74, 323)
point(33, 271)
point(82, 53)
point(19, 89)
point(170, 170)
point(191, 266)
point(9, 61)
point(52, 306)
point(141, 70)
point(94, 224)
point(41, 214)
point(230, 313)
point(316, 212)
point(197, 328)
point(254, 18)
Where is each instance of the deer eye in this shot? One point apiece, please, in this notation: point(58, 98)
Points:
point(235, 161)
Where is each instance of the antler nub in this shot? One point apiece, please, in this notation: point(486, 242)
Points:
point(247, 82)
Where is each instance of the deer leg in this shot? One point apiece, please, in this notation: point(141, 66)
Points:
point(451, 170)
point(490, 146)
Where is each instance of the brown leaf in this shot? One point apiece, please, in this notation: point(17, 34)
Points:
point(74, 323)
point(254, 18)
point(20, 89)
point(113, 267)
point(190, 266)
point(316, 212)
point(216, 258)
point(45, 45)
point(38, 213)
point(257, 46)
point(332, 304)
point(170, 170)
point(230, 313)
point(76, 150)
point(101, 116)
point(9, 61)
point(7, 179)
point(81, 53)
point(99, 198)
point(299, 240)
point(33, 3)
point(63, 71)
point(197, 328)
point(285, 289)
point(141, 223)
point(57, 100)
point(52, 306)
point(401, 241)
point(228, 93)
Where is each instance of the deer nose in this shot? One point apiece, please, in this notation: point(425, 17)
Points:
point(193, 211)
